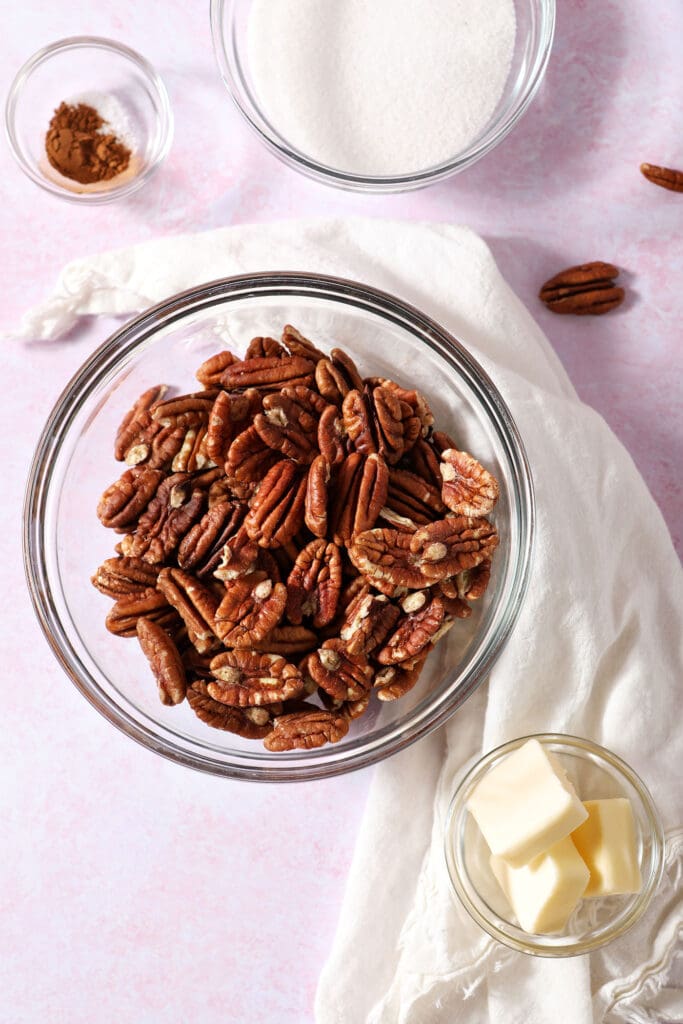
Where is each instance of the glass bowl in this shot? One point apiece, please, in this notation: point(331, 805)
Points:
point(64, 542)
point(535, 30)
point(596, 774)
point(73, 70)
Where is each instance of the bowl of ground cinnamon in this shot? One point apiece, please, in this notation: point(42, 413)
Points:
point(88, 119)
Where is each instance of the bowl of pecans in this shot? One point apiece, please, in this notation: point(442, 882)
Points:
point(308, 518)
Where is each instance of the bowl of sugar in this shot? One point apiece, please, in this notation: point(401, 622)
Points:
point(385, 96)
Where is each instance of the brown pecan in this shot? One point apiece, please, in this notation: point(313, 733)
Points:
point(212, 369)
point(276, 511)
point(336, 376)
point(417, 402)
point(121, 576)
point(316, 499)
point(385, 556)
point(376, 420)
point(247, 678)
point(164, 660)
point(468, 489)
point(452, 545)
point(240, 721)
point(239, 557)
point(123, 503)
point(125, 614)
point(412, 497)
point(195, 604)
point(289, 423)
point(176, 506)
point(332, 436)
point(251, 607)
point(665, 177)
point(300, 346)
point(288, 640)
point(441, 442)
point(369, 618)
point(472, 583)
point(395, 681)
point(416, 628)
point(585, 289)
point(305, 730)
point(265, 348)
point(423, 461)
point(249, 460)
point(314, 584)
point(360, 492)
point(268, 373)
point(230, 415)
point(201, 550)
point(137, 421)
point(343, 675)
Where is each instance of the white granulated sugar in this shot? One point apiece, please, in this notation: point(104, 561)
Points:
point(380, 87)
point(112, 112)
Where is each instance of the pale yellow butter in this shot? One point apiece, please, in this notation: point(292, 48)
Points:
point(544, 892)
point(607, 843)
point(525, 805)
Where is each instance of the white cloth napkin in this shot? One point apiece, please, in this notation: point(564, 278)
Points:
point(596, 652)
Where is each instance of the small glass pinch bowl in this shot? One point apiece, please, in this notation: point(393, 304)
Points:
point(64, 543)
point(72, 70)
point(597, 774)
point(534, 36)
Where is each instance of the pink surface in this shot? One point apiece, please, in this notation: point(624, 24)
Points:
point(134, 890)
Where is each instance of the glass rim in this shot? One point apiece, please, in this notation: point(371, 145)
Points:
point(519, 940)
point(252, 113)
point(164, 115)
point(100, 366)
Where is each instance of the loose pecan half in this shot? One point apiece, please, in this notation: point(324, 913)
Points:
point(251, 607)
point(230, 415)
point(276, 511)
point(468, 489)
point(247, 678)
point(452, 545)
point(265, 348)
point(249, 460)
point(332, 435)
point(472, 583)
point(376, 420)
point(585, 289)
point(360, 492)
point(314, 584)
point(300, 346)
point(195, 604)
point(336, 376)
point(126, 499)
point(369, 619)
point(241, 721)
point(121, 576)
point(289, 423)
point(423, 460)
point(239, 557)
point(395, 681)
point(316, 498)
point(305, 730)
point(268, 373)
point(212, 369)
point(174, 509)
point(412, 497)
point(201, 550)
point(386, 556)
point(416, 628)
point(137, 421)
point(288, 640)
point(665, 177)
point(343, 675)
point(164, 660)
point(125, 614)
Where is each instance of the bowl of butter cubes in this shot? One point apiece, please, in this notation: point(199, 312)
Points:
point(553, 845)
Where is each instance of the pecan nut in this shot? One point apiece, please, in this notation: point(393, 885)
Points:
point(376, 420)
point(314, 584)
point(174, 509)
point(665, 177)
point(332, 435)
point(126, 499)
point(196, 605)
point(251, 607)
point(317, 495)
point(468, 489)
point(121, 576)
point(385, 556)
point(265, 348)
point(450, 546)
point(343, 675)
point(369, 619)
point(585, 289)
point(394, 681)
point(201, 550)
point(230, 415)
point(336, 376)
point(305, 730)
point(247, 678)
point(250, 723)
point(288, 640)
point(300, 346)
point(411, 497)
point(360, 492)
point(125, 614)
point(164, 660)
point(137, 422)
point(249, 460)
point(239, 558)
point(289, 423)
point(270, 373)
point(212, 369)
point(276, 511)
point(416, 629)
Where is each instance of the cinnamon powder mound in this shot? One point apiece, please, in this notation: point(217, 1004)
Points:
point(77, 148)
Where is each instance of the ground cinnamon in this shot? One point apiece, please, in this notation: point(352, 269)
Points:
point(77, 148)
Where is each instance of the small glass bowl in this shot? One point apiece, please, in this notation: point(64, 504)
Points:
point(83, 66)
point(64, 542)
point(596, 774)
point(533, 43)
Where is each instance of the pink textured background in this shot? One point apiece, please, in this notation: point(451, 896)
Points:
point(137, 891)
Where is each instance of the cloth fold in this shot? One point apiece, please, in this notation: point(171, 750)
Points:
point(596, 652)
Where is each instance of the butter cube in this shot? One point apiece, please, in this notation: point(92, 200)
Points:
point(525, 805)
point(607, 843)
point(544, 892)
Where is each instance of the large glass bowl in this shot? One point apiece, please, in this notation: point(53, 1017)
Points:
point(533, 43)
point(65, 543)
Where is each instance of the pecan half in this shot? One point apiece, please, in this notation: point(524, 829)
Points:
point(121, 576)
point(125, 614)
point(277, 509)
point(212, 369)
point(137, 421)
point(249, 460)
point(251, 607)
point(360, 492)
point(412, 497)
point(585, 289)
point(174, 509)
point(468, 489)
point(230, 415)
point(269, 373)
point(289, 423)
point(240, 721)
point(376, 420)
point(472, 583)
point(195, 604)
point(343, 675)
point(305, 730)
point(369, 619)
point(395, 681)
point(416, 629)
point(423, 461)
point(265, 348)
point(316, 498)
point(164, 660)
point(247, 678)
point(239, 557)
point(288, 640)
point(300, 346)
point(201, 550)
point(450, 546)
point(314, 584)
point(332, 435)
point(336, 376)
point(126, 499)
point(385, 556)
point(665, 177)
